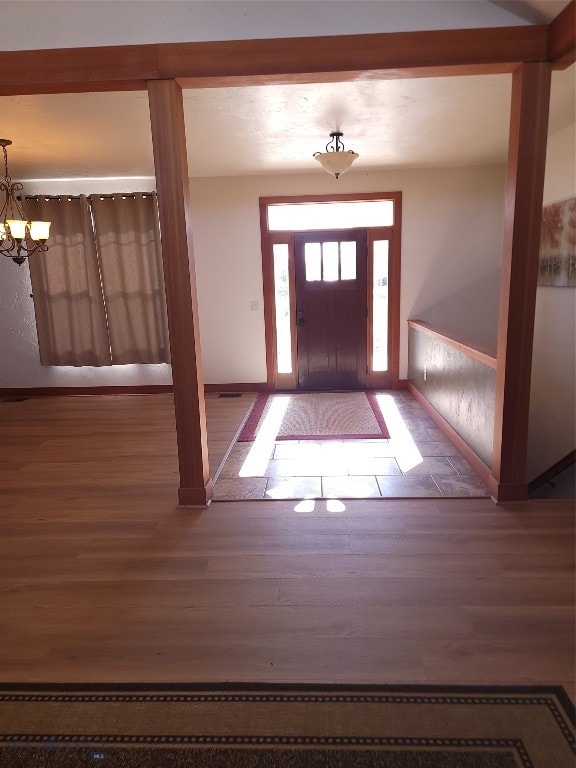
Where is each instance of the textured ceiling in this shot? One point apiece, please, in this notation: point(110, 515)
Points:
point(276, 129)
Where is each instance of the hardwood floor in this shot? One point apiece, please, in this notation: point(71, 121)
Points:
point(104, 578)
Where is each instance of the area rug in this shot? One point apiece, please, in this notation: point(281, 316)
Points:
point(268, 726)
point(316, 416)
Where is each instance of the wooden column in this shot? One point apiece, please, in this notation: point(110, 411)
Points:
point(523, 217)
point(170, 161)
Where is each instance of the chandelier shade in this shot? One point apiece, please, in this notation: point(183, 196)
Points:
point(19, 236)
point(336, 160)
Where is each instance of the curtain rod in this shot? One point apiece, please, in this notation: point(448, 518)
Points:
point(123, 195)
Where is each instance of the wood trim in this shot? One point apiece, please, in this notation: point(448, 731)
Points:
point(469, 348)
point(256, 62)
point(130, 389)
point(343, 197)
point(268, 295)
point(372, 380)
point(503, 493)
point(560, 466)
point(196, 497)
point(562, 37)
point(384, 379)
point(260, 386)
point(482, 470)
point(394, 295)
point(291, 379)
point(522, 221)
point(171, 166)
point(351, 55)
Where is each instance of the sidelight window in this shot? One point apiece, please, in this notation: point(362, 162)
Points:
point(282, 305)
point(380, 306)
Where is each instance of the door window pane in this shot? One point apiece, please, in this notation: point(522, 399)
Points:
point(313, 261)
point(380, 306)
point(282, 304)
point(348, 260)
point(330, 262)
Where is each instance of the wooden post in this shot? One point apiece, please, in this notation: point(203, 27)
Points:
point(522, 222)
point(170, 161)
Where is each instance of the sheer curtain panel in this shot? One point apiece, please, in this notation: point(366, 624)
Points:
point(129, 254)
point(68, 302)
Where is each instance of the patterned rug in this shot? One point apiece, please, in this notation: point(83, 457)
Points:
point(266, 726)
point(316, 416)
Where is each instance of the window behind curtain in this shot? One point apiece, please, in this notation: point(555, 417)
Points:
point(99, 290)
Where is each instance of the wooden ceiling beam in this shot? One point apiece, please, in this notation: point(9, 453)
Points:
point(562, 37)
point(252, 62)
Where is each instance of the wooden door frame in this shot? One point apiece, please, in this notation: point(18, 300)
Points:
point(375, 379)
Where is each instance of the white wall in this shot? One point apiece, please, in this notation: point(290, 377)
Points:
point(552, 425)
point(76, 23)
point(451, 240)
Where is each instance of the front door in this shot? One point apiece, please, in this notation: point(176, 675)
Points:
point(331, 309)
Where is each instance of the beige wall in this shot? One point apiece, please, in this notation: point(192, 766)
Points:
point(451, 243)
point(552, 425)
point(451, 239)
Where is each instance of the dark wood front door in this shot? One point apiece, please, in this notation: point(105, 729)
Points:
point(331, 309)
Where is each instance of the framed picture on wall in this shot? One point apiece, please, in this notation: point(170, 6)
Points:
point(557, 266)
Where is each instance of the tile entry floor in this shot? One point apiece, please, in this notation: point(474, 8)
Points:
point(417, 461)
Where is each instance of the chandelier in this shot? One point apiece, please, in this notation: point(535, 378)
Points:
point(19, 237)
point(336, 159)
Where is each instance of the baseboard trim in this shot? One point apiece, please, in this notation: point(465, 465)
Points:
point(565, 463)
point(478, 465)
point(504, 493)
point(129, 389)
point(196, 497)
point(260, 386)
point(141, 389)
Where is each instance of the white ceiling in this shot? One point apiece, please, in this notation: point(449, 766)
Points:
point(276, 129)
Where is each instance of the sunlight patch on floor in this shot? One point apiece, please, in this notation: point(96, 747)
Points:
point(309, 505)
point(406, 453)
point(259, 455)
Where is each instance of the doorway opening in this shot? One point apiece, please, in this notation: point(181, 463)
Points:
point(331, 273)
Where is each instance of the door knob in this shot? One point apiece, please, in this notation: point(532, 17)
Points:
point(300, 320)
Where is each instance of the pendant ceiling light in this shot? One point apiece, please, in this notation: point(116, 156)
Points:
point(19, 237)
point(336, 159)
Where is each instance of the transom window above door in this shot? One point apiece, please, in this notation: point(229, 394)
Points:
point(305, 217)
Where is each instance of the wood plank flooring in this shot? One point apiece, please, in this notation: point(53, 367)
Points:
point(104, 578)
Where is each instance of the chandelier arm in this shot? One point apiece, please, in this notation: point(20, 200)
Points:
point(6, 175)
point(20, 250)
point(16, 241)
point(4, 210)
